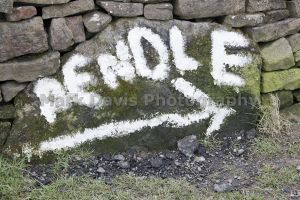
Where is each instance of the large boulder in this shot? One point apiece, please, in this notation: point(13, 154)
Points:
point(142, 83)
point(20, 38)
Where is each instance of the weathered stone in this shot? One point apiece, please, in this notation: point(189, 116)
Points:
point(4, 131)
point(188, 145)
point(275, 30)
point(139, 121)
point(190, 9)
point(293, 110)
point(60, 36)
point(297, 56)
point(6, 6)
point(276, 15)
point(285, 97)
point(265, 5)
point(148, 1)
point(277, 55)
point(71, 8)
point(21, 38)
point(75, 24)
point(294, 41)
point(156, 162)
point(281, 80)
point(19, 13)
point(162, 11)
point(7, 112)
point(297, 95)
point(120, 9)
point(243, 20)
point(43, 2)
point(10, 89)
point(96, 21)
point(294, 8)
point(30, 68)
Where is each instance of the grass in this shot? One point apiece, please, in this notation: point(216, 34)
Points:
point(272, 123)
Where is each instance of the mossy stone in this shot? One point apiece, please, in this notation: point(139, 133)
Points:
point(285, 97)
point(280, 80)
point(7, 112)
point(277, 55)
point(297, 95)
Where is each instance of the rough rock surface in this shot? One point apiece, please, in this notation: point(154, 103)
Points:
point(10, 89)
point(4, 131)
point(276, 15)
point(7, 112)
point(190, 9)
point(156, 131)
point(71, 8)
point(19, 13)
point(21, 38)
point(297, 95)
point(275, 30)
point(6, 6)
point(60, 36)
point(120, 9)
point(96, 21)
point(75, 24)
point(30, 68)
point(277, 55)
point(162, 11)
point(293, 110)
point(243, 20)
point(294, 8)
point(43, 2)
point(281, 80)
point(294, 41)
point(264, 5)
point(188, 145)
point(286, 98)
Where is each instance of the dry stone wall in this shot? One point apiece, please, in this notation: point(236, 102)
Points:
point(197, 49)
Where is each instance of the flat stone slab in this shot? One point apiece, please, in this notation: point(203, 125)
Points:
point(30, 68)
point(273, 31)
point(43, 2)
point(21, 38)
point(281, 80)
point(163, 11)
point(121, 89)
point(265, 5)
point(277, 55)
point(243, 20)
point(120, 9)
point(10, 89)
point(193, 9)
point(71, 8)
point(20, 13)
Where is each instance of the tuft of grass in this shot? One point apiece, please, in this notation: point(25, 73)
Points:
point(123, 187)
point(13, 185)
point(272, 123)
point(267, 147)
point(276, 179)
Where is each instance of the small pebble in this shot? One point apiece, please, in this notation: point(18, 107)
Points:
point(118, 157)
point(123, 164)
point(101, 170)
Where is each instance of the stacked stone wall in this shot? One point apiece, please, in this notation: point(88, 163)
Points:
point(36, 34)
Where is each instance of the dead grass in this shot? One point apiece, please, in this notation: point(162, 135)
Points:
point(272, 123)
